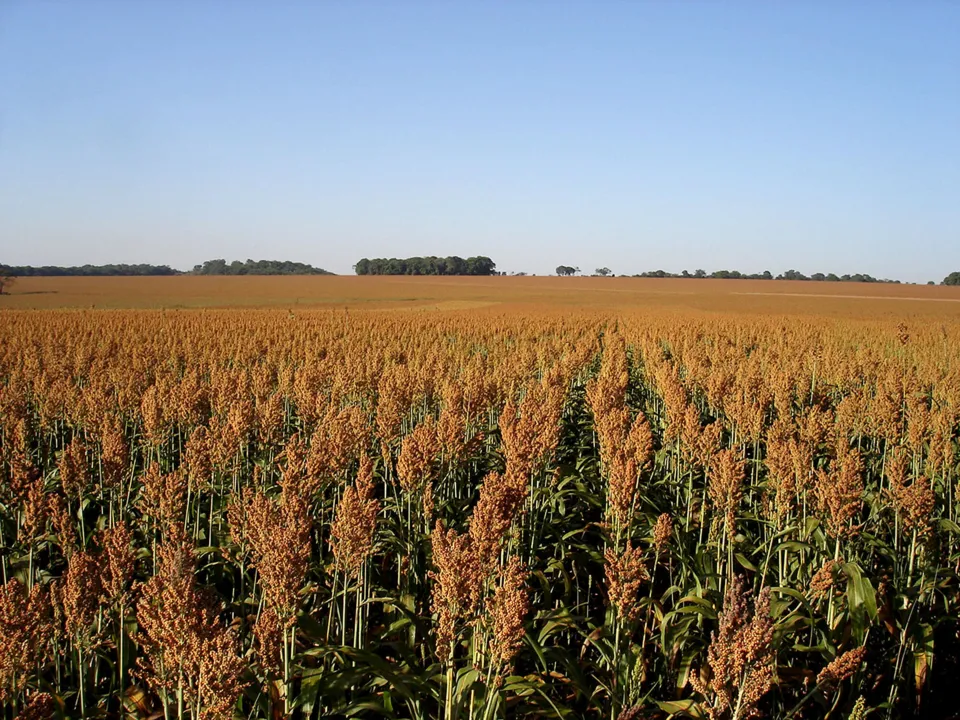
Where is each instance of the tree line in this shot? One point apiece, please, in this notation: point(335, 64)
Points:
point(453, 265)
point(210, 267)
point(567, 270)
point(767, 275)
point(431, 265)
point(86, 270)
point(256, 267)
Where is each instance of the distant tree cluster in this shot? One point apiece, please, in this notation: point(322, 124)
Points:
point(210, 267)
point(952, 279)
point(256, 267)
point(566, 270)
point(85, 270)
point(452, 265)
point(830, 277)
point(767, 275)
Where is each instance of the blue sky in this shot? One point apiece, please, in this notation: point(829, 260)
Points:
point(635, 135)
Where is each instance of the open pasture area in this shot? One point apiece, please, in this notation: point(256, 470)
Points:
point(511, 293)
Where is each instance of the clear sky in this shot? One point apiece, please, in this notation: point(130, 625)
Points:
point(813, 135)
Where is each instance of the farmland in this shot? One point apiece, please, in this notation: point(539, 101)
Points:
point(442, 498)
point(859, 300)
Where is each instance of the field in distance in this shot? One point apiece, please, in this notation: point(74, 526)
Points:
point(501, 293)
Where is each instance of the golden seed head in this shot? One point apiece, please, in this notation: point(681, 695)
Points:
point(626, 572)
point(841, 667)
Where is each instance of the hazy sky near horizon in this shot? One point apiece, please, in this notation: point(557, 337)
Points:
point(635, 135)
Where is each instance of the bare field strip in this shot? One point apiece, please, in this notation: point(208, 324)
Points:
point(482, 294)
point(856, 297)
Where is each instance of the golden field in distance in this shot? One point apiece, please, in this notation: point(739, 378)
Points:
point(498, 293)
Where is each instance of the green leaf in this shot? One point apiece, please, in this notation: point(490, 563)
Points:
point(683, 671)
point(365, 707)
point(923, 656)
point(791, 546)
point(861, 599)
point(687, 708)
point(949, 526)
point(465, 681)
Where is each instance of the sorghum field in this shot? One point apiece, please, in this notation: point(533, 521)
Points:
point(539, 498)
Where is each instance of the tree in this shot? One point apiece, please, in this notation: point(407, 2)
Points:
point(215, 267)
point(430, 265)
point(952, 279)
point(481, 265)
point(565, 270)
point(362, 267)
point(455, 265)
point(792, 275)
point(6, 282)
point(603, 272)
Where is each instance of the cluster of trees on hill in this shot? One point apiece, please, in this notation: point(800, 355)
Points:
point(767, 275)
point(452, 265)
point(567, 270)
point(86, 270)
point(210, 267)
point(256, 267)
